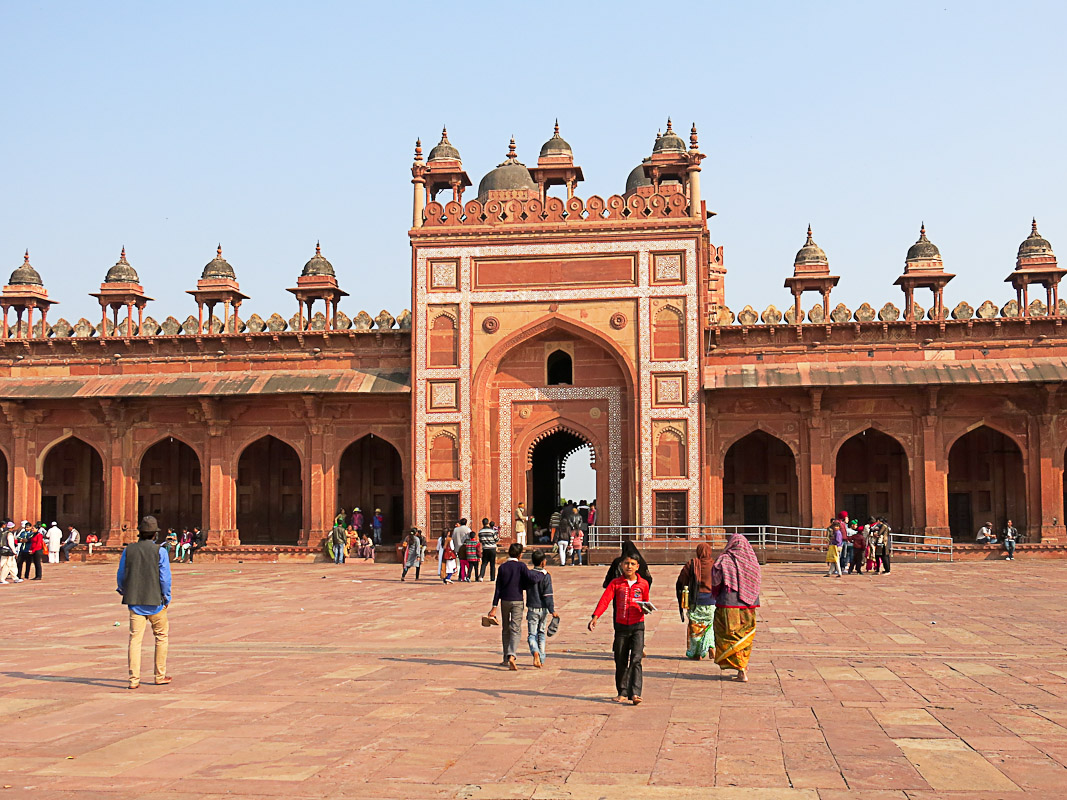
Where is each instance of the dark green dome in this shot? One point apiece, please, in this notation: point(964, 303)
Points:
point(1035, 245)
point(509, 176)
point(556, 146)
point(637, 177)
point(122, 272)
point(670, 142)
point(217, 268)
point(318, 265)
point(924, 249)
point(443, 150)
point(25, 275)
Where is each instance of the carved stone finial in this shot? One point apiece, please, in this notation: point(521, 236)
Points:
point(555, 131)
point(1033, 227)
point(810, 240)
point(218, 251)
point(444, 134)
point(669, 128)
point(318, 249)
point(512, 155)
point(122, 255)
point(418, 150)
point(922, 232)
point(693, 137)
point(26, 258)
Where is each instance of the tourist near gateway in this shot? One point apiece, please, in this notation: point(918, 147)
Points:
point(543, 320)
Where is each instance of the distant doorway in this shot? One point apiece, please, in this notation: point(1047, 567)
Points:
point(548, 463)
point(170, 487)
point(270, 493)
point(370, 476)
point(985, 468)
point(72, 487)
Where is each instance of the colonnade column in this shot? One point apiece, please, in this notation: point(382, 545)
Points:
point(25, 488)
point(1046, 480)
point(930, 510)
point(316, 519)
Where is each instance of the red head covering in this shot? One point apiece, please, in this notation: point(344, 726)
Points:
point(843, 516)
point(739, 568)
point(702, 567)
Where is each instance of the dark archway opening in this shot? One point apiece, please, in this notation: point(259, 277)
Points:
point(548, 458)
point(871, 480)
point(269, 493)
point(170, 487)
point(72, 488)
point(760, 482)
point(3, 486)
point(986, 483)
point(370, 476)
point(559, 369)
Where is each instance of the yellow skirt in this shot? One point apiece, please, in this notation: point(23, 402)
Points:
point(735, 629)
point(833, 554)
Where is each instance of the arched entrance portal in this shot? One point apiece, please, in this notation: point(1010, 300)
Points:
point(760, 482)
point(986, 483)
point(170, 488)
point(269, 493)
point(72, 487)
point(548, 459)
point(371, 476)
point(871, 480)
point(3, 484)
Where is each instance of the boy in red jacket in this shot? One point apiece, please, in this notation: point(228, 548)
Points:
point(626, 593)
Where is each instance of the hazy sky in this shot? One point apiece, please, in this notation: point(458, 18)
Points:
point(168, 127)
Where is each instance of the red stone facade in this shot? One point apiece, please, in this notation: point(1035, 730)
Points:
point(542, 323)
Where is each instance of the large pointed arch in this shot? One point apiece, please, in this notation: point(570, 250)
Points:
point(270, 492)
point(872, 477)
point(986, 482)
point(760, 483)
point(170, 483)
point(72, 485)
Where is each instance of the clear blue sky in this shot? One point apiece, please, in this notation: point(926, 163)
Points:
point(168, 127)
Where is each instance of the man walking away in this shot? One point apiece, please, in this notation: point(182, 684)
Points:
point(1011, 534)
point(72, 540)
point(143, 580)
point(489, 539)
point(8, 548)
point(539, 605)
point(562, 536)
point(512, 577)
point(459, 538)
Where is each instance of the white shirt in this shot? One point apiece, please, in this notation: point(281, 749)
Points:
point(54, 535)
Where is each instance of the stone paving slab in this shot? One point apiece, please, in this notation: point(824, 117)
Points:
point(318, 681)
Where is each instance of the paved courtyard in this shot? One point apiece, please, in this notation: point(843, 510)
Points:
point(316, 681)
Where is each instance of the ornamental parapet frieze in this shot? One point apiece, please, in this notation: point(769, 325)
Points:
point(556, 211)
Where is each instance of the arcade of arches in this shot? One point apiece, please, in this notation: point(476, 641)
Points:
point(986, 483)
point(759, 482)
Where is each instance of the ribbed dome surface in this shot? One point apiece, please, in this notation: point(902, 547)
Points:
point(25, 275)
point(318, 265)
point(218, 267)
point(122, 272)
point(810, 254)
point(924, 249)
point(511, 175)
point(637, 177)
point(443, 150)
point(1034, 245)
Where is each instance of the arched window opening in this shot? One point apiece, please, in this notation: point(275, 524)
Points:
point(668, 340)
point(444, 458)
point(670, 455)
point(560, 369)
point(444, 344)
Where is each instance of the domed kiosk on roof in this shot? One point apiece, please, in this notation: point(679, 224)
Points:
point(923, 270)
point(218, 268)
point(121, 271)
point(556, 147)
point(669, 142)
point(24, 292)
point(318, 265)
point(121, 289)
point(923, 249)
point(443, 150)
point(1035, 245)
point(510, 176)
point(810, 256)
point(25, 274)
point(1036, 264)
point(317, 281)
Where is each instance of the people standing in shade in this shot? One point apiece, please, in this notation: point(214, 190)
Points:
point(540, 604)
point(144, 581)
point(414, 550)
point(562, 536)
point(23, 559)
point(448, 559)
point(835, 538)
point(460, 535)
point(70, 541)
point(1011, 535)
point(696, 601)
point(341, 518)
point(859, 551)
point(628, 594)
point(735, 584)
point(520, 524)
point(339, 541)
point(489, 537)
point(511, 580)
point(376, 523)
point(8, 550)
point(577, 542)
point(357, 520)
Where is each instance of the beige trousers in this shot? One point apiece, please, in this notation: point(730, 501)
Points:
point(7, 568)
point(160, 628)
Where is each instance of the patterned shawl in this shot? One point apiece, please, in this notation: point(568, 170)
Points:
point(739, 568)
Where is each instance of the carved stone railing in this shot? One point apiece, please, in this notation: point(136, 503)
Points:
point(556, 211)
point(275, 323)
point(841, 314)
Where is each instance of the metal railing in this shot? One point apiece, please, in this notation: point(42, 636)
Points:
point(762, 537)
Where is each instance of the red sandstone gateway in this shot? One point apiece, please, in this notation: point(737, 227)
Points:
point(541, 323)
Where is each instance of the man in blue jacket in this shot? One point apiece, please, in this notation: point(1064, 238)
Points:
point(144, 582)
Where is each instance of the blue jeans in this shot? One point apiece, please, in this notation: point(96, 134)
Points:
point(536, 625)
point(377, 534)
point(338, 555)
point(1009, 545)
point(576, 558)
point(846, 554)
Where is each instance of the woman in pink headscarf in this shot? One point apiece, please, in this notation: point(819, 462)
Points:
point(735, 582)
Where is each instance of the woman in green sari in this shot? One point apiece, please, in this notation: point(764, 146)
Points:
point(697, 602)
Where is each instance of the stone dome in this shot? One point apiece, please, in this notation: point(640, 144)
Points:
point(810, 254)
point(1034, 246)
point(318, 265)
point(218, 267)
point(25, 275)
point(511, 175)
point(924, 249)
point(556, 146)
point(670, 142)
point(122, 272)
point(443, 150)
point(637, 177)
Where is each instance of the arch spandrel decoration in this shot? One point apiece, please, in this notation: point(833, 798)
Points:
point(556, 428)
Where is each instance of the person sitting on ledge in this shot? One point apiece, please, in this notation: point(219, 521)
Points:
point(985, 534)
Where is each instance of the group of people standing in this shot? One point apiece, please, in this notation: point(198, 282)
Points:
point(355, 523)
point(26, 545)
point(467, 554)
point(854, 546)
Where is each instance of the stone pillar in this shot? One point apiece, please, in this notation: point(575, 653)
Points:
point(220, 523)
point(930, 510)
point(120, 488)
point(24, 482)
point(317, 520)
point(815, 474)
point(711, 468)
point(695, 204)
point(418, 201)
point(1046, 478)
